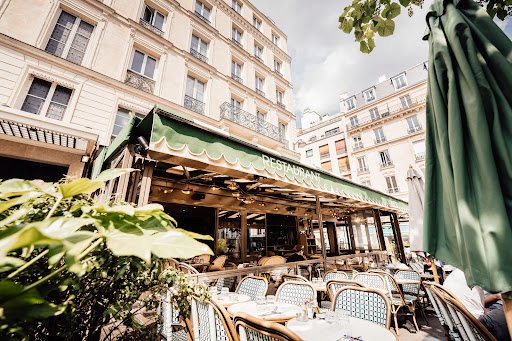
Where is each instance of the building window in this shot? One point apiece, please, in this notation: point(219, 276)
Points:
point(46, 98)
point(413, 124)
point(279, 98)
point(122, 118)
point(406, 101)
point(277, 67)
point(312, 139)
point(419, 150)
point(236, 106)
point(194, 95)
point(275, 39)
point(391, 184)
point(326, 165)
point(399, 81)
point(379, 135)
point(331, 132)
point(69, 38)
point(259, 85)
point(343, 164)
point(282, 131)
point(350, 103)
point(369, 95)
point(260, 120)
point(309, 153)
point(153, 17)
point(358, 143)
point(258, 52)
point(256, 23)
point(236, 6)
point(354, 121)
point(236, 36)
point(324, 151)
point(202, 11)
point(341, 147)
point(362, 166)
point(236, 71)
point(374, 114)
point(199, 48)
point(385, 159)
point(143, 64)
point(366, 183)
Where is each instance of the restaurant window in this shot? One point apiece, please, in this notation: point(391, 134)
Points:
point(153, 17)
point(341, 147)
point(324, 151)
point(202, 11)
point(309, 153)
point(327, 165)
point(229, 236)
point(318, 238)
point(70, 38)
point(374, 114)
point(282, 233)
point(255, 235)
point(399, 82)
point(354, 121)
point(143, 64)
point(343, 164)
point(122, 118)
point(392, 187)
point(350, 103)
point(359, 230)
point(331, 132)
point(256, 23)
point(406, 101)
point(369, 95)
point(379, 135)
point(198, 219)
point(46, 98)
point(236, 6)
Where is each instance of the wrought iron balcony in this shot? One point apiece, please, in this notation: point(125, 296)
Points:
point(151, 27)
point(139, 81)
point(238, 79)
point(362, 169)
point(393, 190)
point(198, 55)
point(237, 42)
point(385, 164)
point(194, 105)
point(420, 156)
point(200, 16)
point(250, 121)
point(281, 104)
point(380, 140)
point(415, 129)
point(358, 146)
point(259, 58)
point(278, 72)
point(419, 100)
point(260, 92)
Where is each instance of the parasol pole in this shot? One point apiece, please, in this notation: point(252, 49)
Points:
point(507, 308)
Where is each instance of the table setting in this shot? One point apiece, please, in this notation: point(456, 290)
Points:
point(227, 298)
point(267, 308)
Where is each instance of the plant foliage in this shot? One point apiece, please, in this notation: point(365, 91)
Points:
point(70, 265)
point(368, 17)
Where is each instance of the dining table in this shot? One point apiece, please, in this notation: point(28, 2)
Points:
point(320, 329)
point(275, 312)
point(231, 298)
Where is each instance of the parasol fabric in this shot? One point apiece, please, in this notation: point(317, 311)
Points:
point(416, 193)
point(468, 193)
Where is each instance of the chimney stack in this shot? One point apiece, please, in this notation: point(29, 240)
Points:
point(382, 78)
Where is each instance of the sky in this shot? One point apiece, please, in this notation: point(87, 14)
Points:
point(327, 62)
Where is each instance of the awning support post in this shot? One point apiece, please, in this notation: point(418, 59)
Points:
point(321, 228)
point(398, 237)
point(145, 186)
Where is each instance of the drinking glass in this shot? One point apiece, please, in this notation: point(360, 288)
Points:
point(225, 291)
point(213, 290)
point(260, 303)
point(271, 299)
point(344, 323)
point(330, 317)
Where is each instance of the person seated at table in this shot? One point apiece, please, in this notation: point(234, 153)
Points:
point(298, 255)
point(476, 303)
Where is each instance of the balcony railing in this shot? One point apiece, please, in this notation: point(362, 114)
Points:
point(380, 139)
point(139, 81)
point(389, 111)
point(237, 78)
point(260, 92)
point(150, 27)
point(362, 169)
point(259, 58)
point(200, 16)
point(237, 42)
point(281, 105)
point(358, 146)
point(194, 105)
point(385, 164)
point(278, 72)
point(393, 190)
point(415, 129)
point(251, 121)
point(198, 55)
point(420, 156)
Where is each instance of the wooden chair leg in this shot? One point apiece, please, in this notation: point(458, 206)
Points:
point(396, 324)
point(424, 316)
point(415, 323)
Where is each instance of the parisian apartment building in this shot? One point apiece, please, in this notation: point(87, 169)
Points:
point(73, 72)
point(378, 134)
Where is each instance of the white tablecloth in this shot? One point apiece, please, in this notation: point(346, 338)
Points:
point(315, 330)
point(232, 298)
point(285, 311)
point(321, 286)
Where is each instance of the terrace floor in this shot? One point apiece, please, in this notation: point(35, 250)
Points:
point(427, 333)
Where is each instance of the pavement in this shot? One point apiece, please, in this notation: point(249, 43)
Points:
point(427, 333)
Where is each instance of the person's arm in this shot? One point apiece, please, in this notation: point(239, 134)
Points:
point(491, 299)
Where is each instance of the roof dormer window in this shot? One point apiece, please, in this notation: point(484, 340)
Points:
point(369, 95)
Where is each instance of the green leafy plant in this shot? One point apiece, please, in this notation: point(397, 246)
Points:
point(69, 265)
point(222, 246)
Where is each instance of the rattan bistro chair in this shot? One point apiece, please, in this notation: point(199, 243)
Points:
point(172, 328)
point(250, 328)
point(184, 267)
point(218, 263)
point(211, 321)
point(288, 277)
point(371, 280)
point(450, 329)
point(334, 275)
point(334, 285)
point(253, 287)
point(295, 293)
point(364, 303)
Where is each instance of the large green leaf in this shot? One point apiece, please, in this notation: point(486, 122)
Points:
point(391, 11)
point(5, 205)
point(126, 244)
point(9, 263)
point(176, 244)
point(196, 235)
point(17, 215)
point(385, 28)
point(113, 173)
point(80, 186)
point(15, 187)
point(347, 25)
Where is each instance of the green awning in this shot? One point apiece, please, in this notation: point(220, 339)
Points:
point(172, 133)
